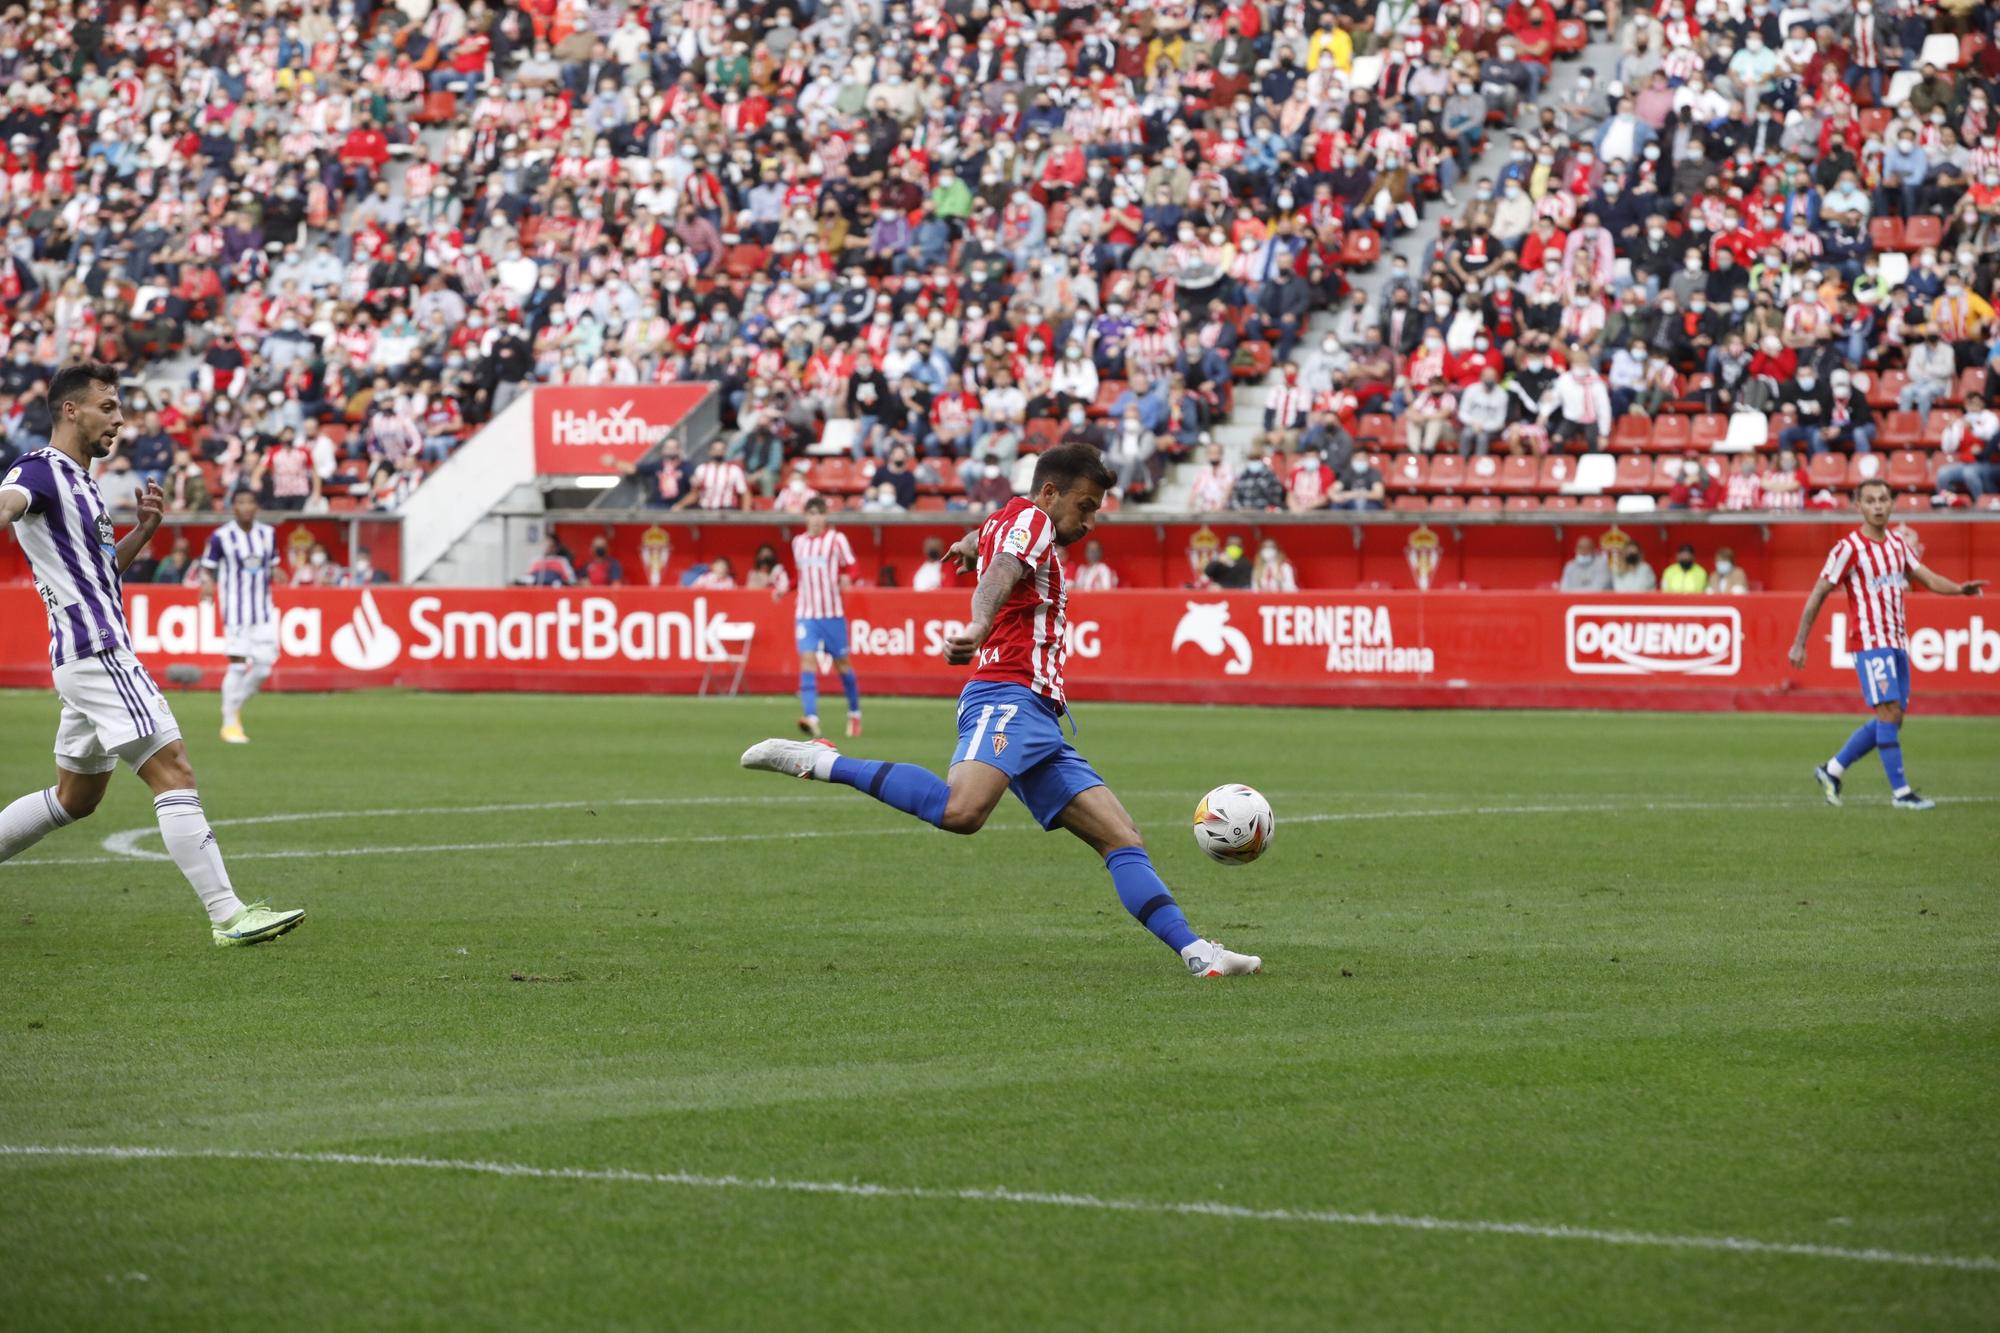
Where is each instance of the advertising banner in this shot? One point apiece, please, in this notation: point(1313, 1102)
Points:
point(576, 427)
point(1384, 649)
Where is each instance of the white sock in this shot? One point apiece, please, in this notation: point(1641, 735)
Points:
point(254, 677)
point(190, 841)
point(823, 762)
point(28, 820)
point(232, 693)
point(1835, 767)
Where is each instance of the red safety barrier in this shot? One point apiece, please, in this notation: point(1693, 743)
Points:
point(1388, 649)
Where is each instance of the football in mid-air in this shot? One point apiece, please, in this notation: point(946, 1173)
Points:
point(1234, 824)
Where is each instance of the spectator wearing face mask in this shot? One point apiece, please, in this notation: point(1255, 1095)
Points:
point(1092, 574)
point(1258, 488)
point(931, 574)
point(1811, 403)
point(1972, 446)
point(1273, 572)
point(987, 486)
point(1685, 575)
point(1630, 572)
point(1695, 486)
point(1577, 408)
point(1961, 318)
point(1229, 570)
point(602, 570)
point(1729, 580)
point(1587, 571)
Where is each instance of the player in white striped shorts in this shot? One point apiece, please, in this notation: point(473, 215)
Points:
point(236, 574)
point(111, 709)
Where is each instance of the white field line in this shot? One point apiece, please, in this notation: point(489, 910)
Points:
point(123, 845)
point(1037, 1199)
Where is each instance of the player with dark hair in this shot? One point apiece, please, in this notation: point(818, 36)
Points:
point(1875, 567)
point(824, 560)
point(111, 709)
point(1010, 712)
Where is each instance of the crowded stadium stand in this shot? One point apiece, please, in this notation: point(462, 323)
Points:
point(1469, 259)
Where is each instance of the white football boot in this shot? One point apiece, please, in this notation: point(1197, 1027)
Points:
point(796, 759)
point(1206, 958)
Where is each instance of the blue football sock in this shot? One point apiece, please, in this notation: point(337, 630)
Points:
point(1145, 896)
point(1857, 748)
point(1889, 745)
point(853, 688)
point(809, 693)
point(914, 791)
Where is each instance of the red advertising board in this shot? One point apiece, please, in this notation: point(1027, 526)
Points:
point(576, 427)
point(1385, 649)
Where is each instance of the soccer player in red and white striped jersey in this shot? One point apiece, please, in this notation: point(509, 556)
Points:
point(825, 562)
point(1875, 567)
point(1010, 713)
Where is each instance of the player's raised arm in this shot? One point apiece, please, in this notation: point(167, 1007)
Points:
point(1943, 586)
point(1814, 601)
point(996, 585)
point(152, 505)
point(13, 504)
point(965, 552)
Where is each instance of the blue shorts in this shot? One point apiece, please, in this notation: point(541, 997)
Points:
point(828, 635)
point(1885, 676)
point(1020, 733)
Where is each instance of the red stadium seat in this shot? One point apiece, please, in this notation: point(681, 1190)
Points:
point(1866, 467)
point(1827, 472)
point(1908, 470)
point(1557, 471)
point(439, 108)
point(1520, 474)
point(1571, 37)
point(1631, 434)
point(1447, 503)
point(1912, 504)
point(1941, 419)
point(1900, 430)
point(1874, 120)
point(1969, 381)
point(1707, 430)
point(1597, 504)
point(1410, 504)
point(837, 476)
point(1558, 504)
point(1447, 473)
point(1257, 358)
point(1671, 435)
point(1666, 471)
point(1635, 475)
point(1408, 473)
point(1361, 249)
point(1886, 233)
point(1885, 389)
point(1924, 231)
point(1523, 504)
point(1040, 433)
point(740, 261)
point(1376, 428)
point(1484, 504)
point(929, 504)
point(1482, 473)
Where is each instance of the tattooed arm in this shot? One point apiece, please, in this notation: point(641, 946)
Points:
point(995, 586)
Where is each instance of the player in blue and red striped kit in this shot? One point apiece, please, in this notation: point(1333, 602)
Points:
point(1010, 713)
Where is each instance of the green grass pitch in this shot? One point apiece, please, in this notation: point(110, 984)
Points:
point(1622, 974)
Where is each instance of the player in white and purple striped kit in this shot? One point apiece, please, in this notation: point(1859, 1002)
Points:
point(236, 572)
point(111, 709)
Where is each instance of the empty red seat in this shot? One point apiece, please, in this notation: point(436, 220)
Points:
point(1635, 475)
point(1874, 120)
point(1520, 474)
point(1827, 472)
point(1886, 233)
point(1631, 434)
point(1482, 473)
point(1257, 356)
point(836, 476)
point(1447, 473)
point(1447, 503)
point(1558, 471)
point(1901, 430)
point(1376, 427)
point(1885, 389)
point(1910, 504)
point(1485, 504)
point(1558, 504)
point(1410, 504)
point(1707, 430)
point(1908, 470)
point(1523, 504)
point(1360, 249)
point(1408, 473)
point(1922, 232)
point(1671, 435)
point(1040, 433)
point(1571, 37)
point(1597, 504)
point(740, 261)
point(1866, 467)
point(1934, 429)
point(1666, 471)
point(1107, 394)
point(1969, 381)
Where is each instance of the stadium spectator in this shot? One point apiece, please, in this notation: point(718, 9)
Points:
point(930, 575)
point(172, 567)
point(718, 484)
point(320, 571)
point(1744, 488)
point(151, 451)
point(1359, 485)
point(1092, 574)
point(602, 570)
point(1257, 486)
point(718, 577)
point(1229, 570)
point(1483, 411)
point(185, 485)
point(1630, 572)
point(1273, 573)
point(284, 478)
point(1695, 487)
point(1685, 575)
point(1973, 445)
point(1577, 407)
point(118, 485)
point(767, 571)
point(1932, 368)
point(895, 482)
point(1729, 577)
point(552, 569)
point(1587, 570)
point(1311, 484)
point(1784, 485)
point(1214, 484)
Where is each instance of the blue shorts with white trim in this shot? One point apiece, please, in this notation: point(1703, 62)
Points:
point(1020, 733)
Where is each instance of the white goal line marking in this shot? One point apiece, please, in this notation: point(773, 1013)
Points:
point(1033, 1198)
point(124, 846)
